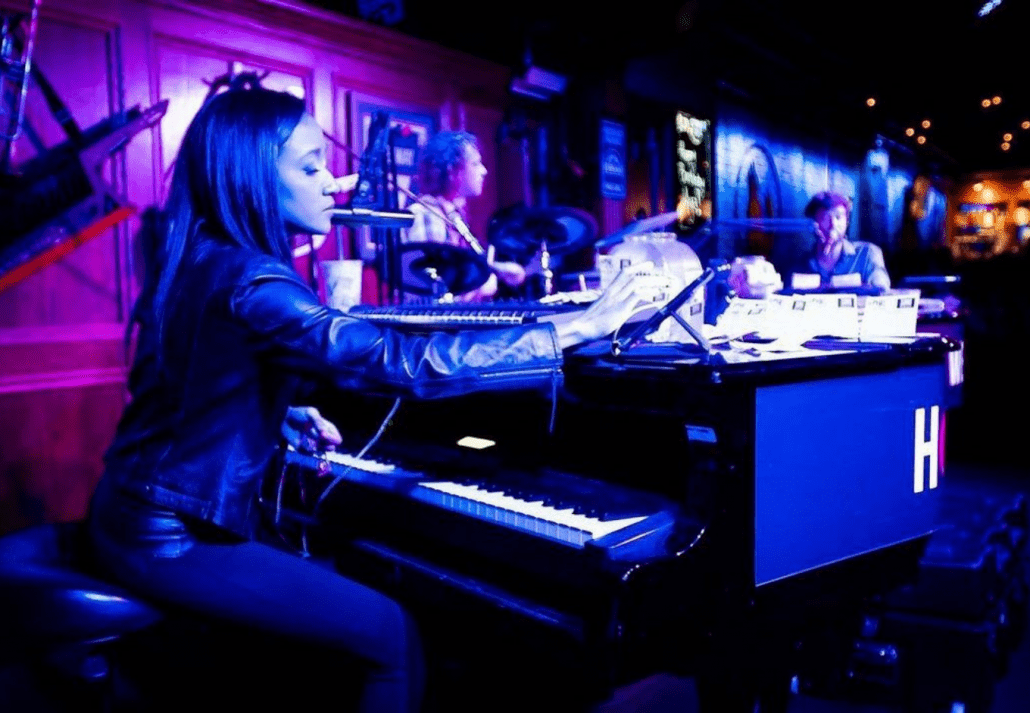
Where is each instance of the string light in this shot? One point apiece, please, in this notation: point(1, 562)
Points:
point(1006, 146)
point(910, 131)
point(996, 100)
point(985, 103)
point(1025, 125)
point(926, 123)
point(1007, 137)
point(920, 139)
point(978, 187)
point(871, 101)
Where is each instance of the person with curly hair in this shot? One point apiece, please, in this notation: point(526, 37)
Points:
point(452, 172)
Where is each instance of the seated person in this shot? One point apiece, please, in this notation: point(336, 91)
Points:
point(833, 255)
point(451, 172)
point(229, 339)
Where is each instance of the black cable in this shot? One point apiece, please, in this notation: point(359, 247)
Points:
point(358, 456)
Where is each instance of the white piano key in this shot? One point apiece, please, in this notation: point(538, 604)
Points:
point(489, 502)
point(533, 516)
point(349, 461)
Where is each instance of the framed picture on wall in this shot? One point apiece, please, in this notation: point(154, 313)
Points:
point(412, 127)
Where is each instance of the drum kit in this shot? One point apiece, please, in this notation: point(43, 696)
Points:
point(536, 236)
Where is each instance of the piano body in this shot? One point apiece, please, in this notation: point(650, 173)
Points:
point(731, 501)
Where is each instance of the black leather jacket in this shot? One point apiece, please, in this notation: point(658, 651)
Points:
point(244, 331)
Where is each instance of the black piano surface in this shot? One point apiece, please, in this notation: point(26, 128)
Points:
point(773, 490)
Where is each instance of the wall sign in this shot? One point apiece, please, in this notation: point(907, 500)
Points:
point(693, 166)
point(613, 159)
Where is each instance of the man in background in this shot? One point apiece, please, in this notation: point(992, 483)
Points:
point(452, 172)
point(837, 261)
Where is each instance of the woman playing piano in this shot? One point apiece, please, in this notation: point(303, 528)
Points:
point(227, 335)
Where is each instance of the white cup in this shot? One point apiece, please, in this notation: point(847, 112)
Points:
point(342, 283)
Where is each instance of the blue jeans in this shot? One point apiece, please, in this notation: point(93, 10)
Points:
point(198, 569)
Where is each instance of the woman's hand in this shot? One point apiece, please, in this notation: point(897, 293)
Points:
point(308, 431)
point(634, 287)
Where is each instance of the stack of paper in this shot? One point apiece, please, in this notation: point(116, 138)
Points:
point(794, 319)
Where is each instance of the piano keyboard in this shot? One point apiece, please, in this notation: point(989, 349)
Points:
point(494, 505)
point(442, 316)
point(564, 509)
point(346, 460)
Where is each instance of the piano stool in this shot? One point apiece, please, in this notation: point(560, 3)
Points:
point(59, 619)
point(72, 642)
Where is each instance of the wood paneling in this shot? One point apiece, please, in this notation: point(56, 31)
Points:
point(53, 442)
point(85, 286)
point(62, 354)
point(36, 352)
point(184, 73)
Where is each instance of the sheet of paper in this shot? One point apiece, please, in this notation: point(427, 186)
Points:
point(804, 281)
point(848, 279)
point(892, 314)
point(832, 314)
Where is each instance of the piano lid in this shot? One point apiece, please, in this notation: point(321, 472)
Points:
point(737, 362)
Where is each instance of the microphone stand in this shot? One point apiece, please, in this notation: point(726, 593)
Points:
point(389, 239)
point(391, 236)
point(458, 225)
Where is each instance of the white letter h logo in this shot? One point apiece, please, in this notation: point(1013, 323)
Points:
point(925, 449)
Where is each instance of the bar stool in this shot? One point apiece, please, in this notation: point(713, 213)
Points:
point(58, 616)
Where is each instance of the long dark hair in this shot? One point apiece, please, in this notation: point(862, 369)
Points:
point(225, 178)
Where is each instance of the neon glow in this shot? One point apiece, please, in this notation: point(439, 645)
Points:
point(987, 7)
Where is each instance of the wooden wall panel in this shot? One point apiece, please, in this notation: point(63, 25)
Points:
point(85, 286)
point(35, 352)
point(62, 355)
point(53, 443)
point(183, 73)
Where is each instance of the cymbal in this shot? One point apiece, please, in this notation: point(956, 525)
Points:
point(459, 269)
point(520, 230)
point(644, 225)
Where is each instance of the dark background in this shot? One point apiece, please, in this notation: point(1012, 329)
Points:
point(814, 62)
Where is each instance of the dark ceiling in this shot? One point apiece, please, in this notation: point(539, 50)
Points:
point(813, 62)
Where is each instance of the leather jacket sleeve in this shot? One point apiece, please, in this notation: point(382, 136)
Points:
point(294, 329)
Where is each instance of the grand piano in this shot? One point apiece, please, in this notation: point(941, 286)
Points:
point(705, 513)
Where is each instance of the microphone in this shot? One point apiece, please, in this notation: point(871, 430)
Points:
point(374, 218)
point(466, 233)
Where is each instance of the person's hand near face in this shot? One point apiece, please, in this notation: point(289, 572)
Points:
point(831, 227)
